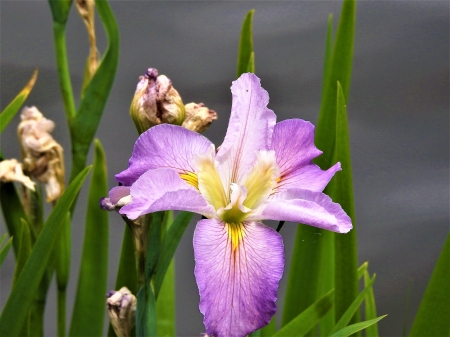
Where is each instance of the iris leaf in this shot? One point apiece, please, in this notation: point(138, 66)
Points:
point(13, 211)
point(165, 305)
point(10, 111)
point(354, 306)
point(84, 125)
point(24, 250)
point(146, 313)
point(308, 319)
point(340, 190)
point(269, 329)
point(5, 249)
point(21, 297)
point(434, 310)
point(351, 329)
point(245, 54)
point(173, 237)
point(89, 308)
point(371, 310)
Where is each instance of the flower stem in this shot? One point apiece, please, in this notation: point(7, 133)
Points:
point(62, 294)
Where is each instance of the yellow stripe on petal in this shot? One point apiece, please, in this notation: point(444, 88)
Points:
point(235, 233)
point(191, 178)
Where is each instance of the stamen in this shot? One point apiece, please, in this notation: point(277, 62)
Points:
point(191, 178)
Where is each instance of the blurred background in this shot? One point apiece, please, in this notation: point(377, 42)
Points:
point(398, 112)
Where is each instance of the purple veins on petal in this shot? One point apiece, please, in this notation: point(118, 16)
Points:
point(238, 285)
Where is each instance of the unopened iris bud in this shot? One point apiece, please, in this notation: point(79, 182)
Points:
point(11, 170)
point(198, 117)
point(121, 307)
point(156, 101)
point(42, 156)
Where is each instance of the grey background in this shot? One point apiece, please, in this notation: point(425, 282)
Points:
point(398, 115)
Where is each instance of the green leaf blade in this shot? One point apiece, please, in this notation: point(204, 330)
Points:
point(432, 318)
point(84, 125)
point(171, 242)
point(21, 297)
point(245, 57)
point(307, 320)
point(10, 111)
point(5, 249)
point(89, 308)
point(351, 329)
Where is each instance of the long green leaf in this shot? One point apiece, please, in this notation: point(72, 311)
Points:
point(146, 313)
point(341, 191)
point(432, 318)
point(5, 249)
point(270, 329)
point(13, 211)
point(354, 306)
point(351, 329)
point(171, 242)
point(308, 319)
point(9, 112)
point(246, 45)
point(21, 297)
point(25, 249)
point(89, 309)
point(84, 125)
point(165, 305)
point(371, 310)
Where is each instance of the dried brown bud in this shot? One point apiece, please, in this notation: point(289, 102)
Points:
point(42, 156)
point(121, 307)
point(198, 117)
point(11, 170)
point(156, 101)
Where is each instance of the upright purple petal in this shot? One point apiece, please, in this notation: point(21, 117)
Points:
point(164, 145)
point(293, 143)
point(238, 287)
point(307, 207)
point(163, 189)
point(249, 130)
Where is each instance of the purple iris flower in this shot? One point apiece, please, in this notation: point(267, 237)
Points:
point(263, 170)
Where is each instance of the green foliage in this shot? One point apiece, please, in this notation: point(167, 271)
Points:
point(10, 111)
point(307, 320)
point(432, 318)
point(351, 329)
point(5, 249)
point(145, 313)
point(89, 309)
point(371, 310)
point(21, 297)
point(246, 57)
point(84, 125)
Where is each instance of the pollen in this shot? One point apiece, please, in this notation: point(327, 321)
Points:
point(191, 178)
point(235, 233)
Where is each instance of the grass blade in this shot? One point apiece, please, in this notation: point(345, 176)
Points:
point(354, 306)
point(10, 111)
point(269, 329)
point(146, 313)
point(89, 309)
point(246, 45)
point(84, 125)
point(351, 329)
point(21, 297)
point(434, 310)
point(308, 319)
point(371, 310)
point(25, 248)
point(5, 249)
point(170, 245)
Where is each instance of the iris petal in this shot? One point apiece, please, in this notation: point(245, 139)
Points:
point(163, 146)
point(238, 287)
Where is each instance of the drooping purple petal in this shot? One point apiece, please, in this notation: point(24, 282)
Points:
point(307, 207)
point(163, 189)
point(163, 146)
point(238, 288)
point(249, 130)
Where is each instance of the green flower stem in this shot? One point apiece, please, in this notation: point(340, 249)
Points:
point(59, 35)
